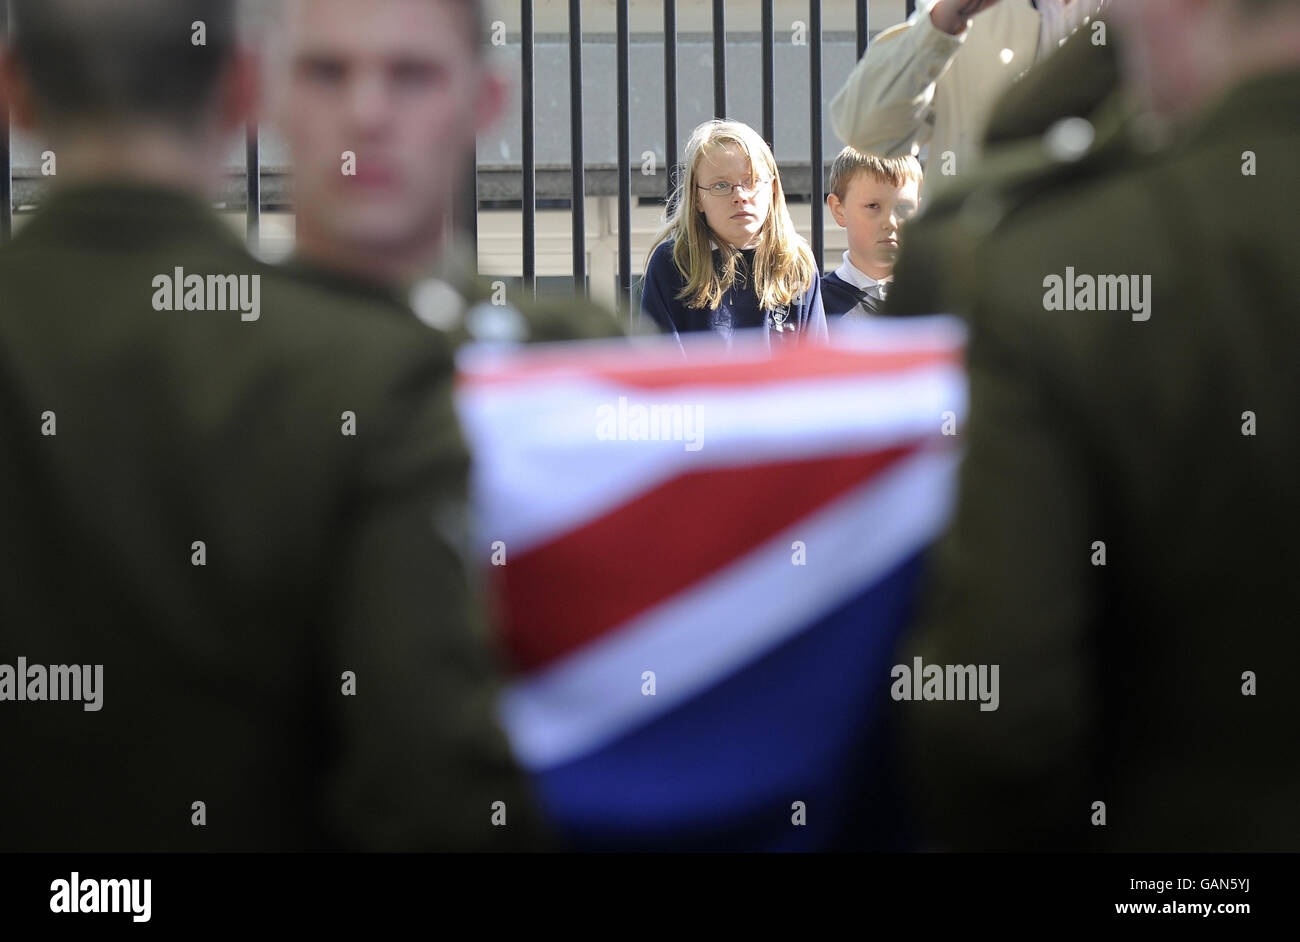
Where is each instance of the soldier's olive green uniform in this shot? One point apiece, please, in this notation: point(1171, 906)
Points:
point(564, 317)
point(248, 523)
point(1080, 80)
point(1123, 548)
point(469, 307)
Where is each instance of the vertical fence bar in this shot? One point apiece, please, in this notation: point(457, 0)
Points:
point(769, 78)
point(575, 147)
point(464, 210)
point(6, 170)
point(253, 182)
point(815, 124)
point(670, 99)
point(528, 128)
point(864, 26)
point(624, 165)
point(719, 59)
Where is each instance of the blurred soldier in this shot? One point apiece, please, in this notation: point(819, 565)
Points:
point(1121, 552)
point(381, 103)
point(219, 490)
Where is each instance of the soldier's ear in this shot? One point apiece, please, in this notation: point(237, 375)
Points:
point(493, 95)
point(239, 91)
point(15, 91)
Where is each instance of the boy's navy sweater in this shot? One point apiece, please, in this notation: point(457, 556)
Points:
point(739, 309)
point(840, 298)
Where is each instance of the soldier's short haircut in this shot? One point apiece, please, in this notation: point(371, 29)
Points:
point(475, 15)
point(124, 60)
point(850, 162)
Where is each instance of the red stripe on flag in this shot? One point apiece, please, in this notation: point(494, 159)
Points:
point(562, 594)
point(813, 363)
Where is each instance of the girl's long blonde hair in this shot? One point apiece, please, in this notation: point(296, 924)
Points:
point(783, 264)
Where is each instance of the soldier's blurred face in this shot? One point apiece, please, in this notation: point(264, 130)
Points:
point(1164, 49)
point(873, 212)
point(381, 105)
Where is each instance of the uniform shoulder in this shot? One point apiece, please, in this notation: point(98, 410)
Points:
point(1076, 80)
point(490, 307)
point(570, 318)
point(1086, 280)
point(363, 342)
point(333, 311)
point(1125, 193)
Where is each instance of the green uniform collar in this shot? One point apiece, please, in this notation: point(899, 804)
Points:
point(343, 282)
point(122, 213)
point(1261, 99)
point(452, 268)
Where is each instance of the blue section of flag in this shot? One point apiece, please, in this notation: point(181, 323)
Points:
point(805, 722)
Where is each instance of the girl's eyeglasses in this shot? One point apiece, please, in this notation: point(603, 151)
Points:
point(725, 189)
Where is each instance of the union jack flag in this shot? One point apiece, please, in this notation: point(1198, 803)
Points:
point(705, 565)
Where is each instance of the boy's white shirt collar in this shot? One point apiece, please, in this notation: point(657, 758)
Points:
point(853, 275)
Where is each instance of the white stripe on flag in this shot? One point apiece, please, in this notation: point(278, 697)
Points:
point(540, 469)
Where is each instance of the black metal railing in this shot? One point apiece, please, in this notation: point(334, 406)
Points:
point(815, 159)
point(575, 146)
point(6, 170)
point(767, 94)
point(465, 212)
point(624, 161)
point(253, 182)
point(528, 131)
point(626, 298)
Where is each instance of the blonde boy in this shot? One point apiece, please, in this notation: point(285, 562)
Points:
point(871, 197)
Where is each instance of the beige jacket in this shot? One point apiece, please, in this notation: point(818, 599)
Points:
point(911, 88)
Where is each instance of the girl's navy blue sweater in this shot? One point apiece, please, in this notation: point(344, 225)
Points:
point(804, 319)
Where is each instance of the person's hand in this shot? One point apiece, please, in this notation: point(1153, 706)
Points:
point(951, 15)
